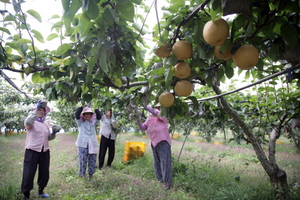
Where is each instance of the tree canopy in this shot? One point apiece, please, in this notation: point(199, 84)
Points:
point(106, 49)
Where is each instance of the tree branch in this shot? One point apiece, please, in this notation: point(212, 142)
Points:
point(127, 86)
point(256, 145)
point(185, 20)
point(12, 83)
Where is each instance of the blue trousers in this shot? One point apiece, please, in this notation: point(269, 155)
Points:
point(84, 159)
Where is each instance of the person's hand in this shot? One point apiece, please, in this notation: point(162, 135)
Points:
point(56, 128)
point(153, 111)
point(137, 114)
point(41, 104)
point(38, 104)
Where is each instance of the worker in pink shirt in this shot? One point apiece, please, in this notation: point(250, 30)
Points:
point(157, 130)
point(37, 153)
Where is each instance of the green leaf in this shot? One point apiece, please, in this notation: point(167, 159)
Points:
point(89, 80)
point(172, 112)
point(170, 60)
point(139, 27)
point(240, 22)
point(55, 16)
point(17, 5)
point(168, 77)
point(5, 30)
point(48, 92)
point(289, 34)
point(117, 82)
point(24, 41)
point(85, 4)
point(216, 5)
point(112, 59)
point(72, 75)
point(213, 14)
point(220, 73)
point(194, 100)
point(70, 7)
point(79, 62)
point(87, 97)
point(85, 26)
point(137, 1)
point(208, 81)
point(91, 64)
point(292, 6)
point(158, 72)
point(38, 36)
point(229, 71)
point(103, 60)
point(176, 6)
point(59, 86)
point(36, 78)
point(52, 36)
point(260, 64)
point(84, 88)
point(24, 48)
point(65, 4)
point(200, 49)
point(92, 9)
point(110, 16)
point(249, 29)
point(268, 30)
point(127, 10)
point(15, 58)
point(273, 52)
point(63, 48)
point(35, 14)
point(57, 25)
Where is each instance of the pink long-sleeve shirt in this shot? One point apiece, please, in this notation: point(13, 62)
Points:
point(157, 130)
point(38, 136)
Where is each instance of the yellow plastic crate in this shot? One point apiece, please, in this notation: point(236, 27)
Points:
point(98, 138)
point(134, 150)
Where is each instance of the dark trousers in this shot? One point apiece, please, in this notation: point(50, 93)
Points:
point(104, 145)
point(32, 161)
point(162, 162)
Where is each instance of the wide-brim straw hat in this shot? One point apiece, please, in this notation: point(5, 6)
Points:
point(87, 110)
point(47, 110)
point(157, 105)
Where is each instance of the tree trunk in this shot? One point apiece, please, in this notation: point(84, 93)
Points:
point(224, 131)
point(278, 180)
point(277, 176)
point(294, 131)
point(295, 135)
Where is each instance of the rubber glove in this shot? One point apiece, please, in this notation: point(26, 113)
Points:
point(56, 128)
point(30, 119)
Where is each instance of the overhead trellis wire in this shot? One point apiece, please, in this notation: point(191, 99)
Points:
point(154, 1)
point(158, 25)
point(252, 84)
